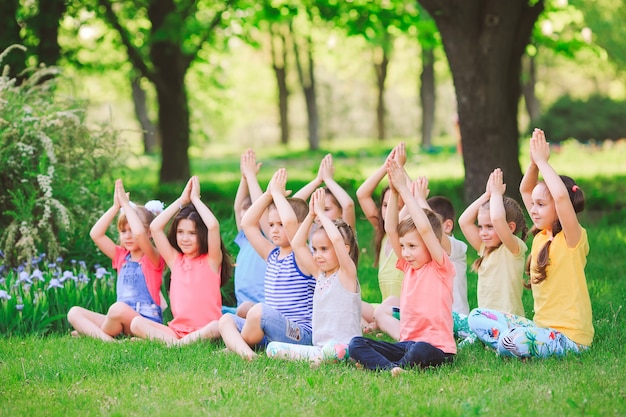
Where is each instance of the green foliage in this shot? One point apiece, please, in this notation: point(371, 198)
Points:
point(52, 168)
point(597, 118)
point(35, 298)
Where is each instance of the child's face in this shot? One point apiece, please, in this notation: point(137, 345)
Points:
point(127, 241)
point(331, 209)
point(278, 235)
point(324, 252)
point(187, 238)
point(383, 208)
point(486, 230)
point(413, 249)
point(543, 210)
point(385, 204)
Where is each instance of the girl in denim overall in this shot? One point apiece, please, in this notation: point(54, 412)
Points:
point(139, 266)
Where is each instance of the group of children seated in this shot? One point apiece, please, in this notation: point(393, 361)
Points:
point(296, 285)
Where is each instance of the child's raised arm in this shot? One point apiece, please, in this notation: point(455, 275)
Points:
point(391, 220)
point(213, 227)
point(540, 153)
point(366, 190)
point(301, 250)
point(467, 220)
point(529, 180)
point(497, 212)
point(279, 195)
point(140, 234)
point(248, 186)
point(306, 191)
point(252, 228)
point(345, 201)
point(157, 227)
point(398, 177)
point(347, 268)
point(98, 231)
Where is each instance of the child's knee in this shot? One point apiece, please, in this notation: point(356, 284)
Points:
point(73, 313)
point(118, 310)
point(255, 314)
point(136, 325)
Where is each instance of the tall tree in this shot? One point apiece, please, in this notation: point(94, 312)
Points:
point(10, 35)
point(279, 48)
point(379, 23)
point(268, 23)
point(34, 25)
point(305, 64)
point(484, 42)
point(178, 30)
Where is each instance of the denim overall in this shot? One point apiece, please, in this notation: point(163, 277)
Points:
point(132, 290)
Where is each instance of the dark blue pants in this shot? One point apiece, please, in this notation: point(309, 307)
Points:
point(377, 355)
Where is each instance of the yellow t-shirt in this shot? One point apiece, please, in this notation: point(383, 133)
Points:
point(501, 279)
point(562, 299)
point(389, 277)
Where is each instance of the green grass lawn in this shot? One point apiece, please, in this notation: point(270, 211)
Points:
point(61, 376)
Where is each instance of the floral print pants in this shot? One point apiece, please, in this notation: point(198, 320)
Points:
point(511, 335)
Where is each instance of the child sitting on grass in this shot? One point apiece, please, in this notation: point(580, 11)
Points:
point(285, 316)
point(426, 327)
point(337, 297)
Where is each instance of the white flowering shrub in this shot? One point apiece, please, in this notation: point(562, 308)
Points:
point(54, 170)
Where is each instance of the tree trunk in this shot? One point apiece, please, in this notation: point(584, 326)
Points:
point(380, 67)
point(170, 64)
point(484, 43)
point(148, 129)
point(533, 106)
point(427, 96)
point(10, 35)
point(307, 80)
point(46, 25)
point(279, 64)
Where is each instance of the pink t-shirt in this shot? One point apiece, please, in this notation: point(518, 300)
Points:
point(152, 273)
point(426, 304)
point(195, 295)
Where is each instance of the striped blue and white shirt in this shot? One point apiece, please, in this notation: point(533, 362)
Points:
point(288, 290)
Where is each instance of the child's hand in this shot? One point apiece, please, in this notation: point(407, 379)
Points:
point(397, 175)
point(185, 196)
point(121, 196)
point(539, 147)
point(327, 169)
point(419, 188)
point(195, 188)
point(116, 199)
point(496, 184)
point(317, 202)
point(400, 153)
point(248, 165)
point(278, 182)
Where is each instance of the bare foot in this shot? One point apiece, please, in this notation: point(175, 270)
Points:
point(75, 333)
point(369, 328)
point(397, 371)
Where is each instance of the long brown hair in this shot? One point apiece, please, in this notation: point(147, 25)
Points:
point(513, 213)
point(577, 197)
point(380, 230)
point(189, 212)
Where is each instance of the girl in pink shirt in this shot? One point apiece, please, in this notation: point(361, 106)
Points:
point(199, 265)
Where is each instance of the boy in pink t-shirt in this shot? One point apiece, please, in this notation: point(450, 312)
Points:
point(426, 337)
